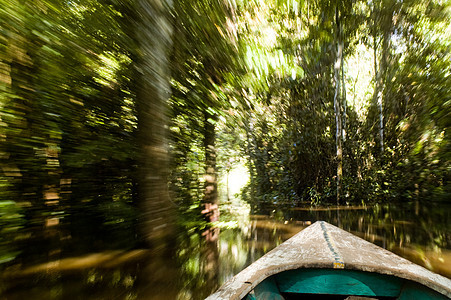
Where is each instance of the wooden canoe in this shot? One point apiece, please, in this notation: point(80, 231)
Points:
point(326, 260)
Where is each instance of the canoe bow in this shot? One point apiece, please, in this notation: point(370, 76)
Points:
point(324, 246)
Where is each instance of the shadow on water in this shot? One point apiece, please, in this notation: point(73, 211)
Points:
point(205, 260)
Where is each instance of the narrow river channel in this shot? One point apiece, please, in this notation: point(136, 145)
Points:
point(205, 261)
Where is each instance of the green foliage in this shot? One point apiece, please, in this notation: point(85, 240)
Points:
point(11, 221)
point(67, 115)
point(296, 152)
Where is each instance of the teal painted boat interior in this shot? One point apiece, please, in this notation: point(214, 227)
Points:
point(339, 284)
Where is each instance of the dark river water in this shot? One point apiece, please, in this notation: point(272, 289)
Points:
point(420, 233)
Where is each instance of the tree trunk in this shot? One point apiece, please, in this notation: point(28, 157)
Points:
point(377, 92)
point(343, 94)
point(337, 105)
point(344, 105)
point(383, 75)
point(380, 72)
point(211, 210)
point(378, 97)
point(154, 30)
point(250, 155)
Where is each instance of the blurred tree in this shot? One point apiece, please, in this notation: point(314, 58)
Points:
point(205, 52)
point(60, 58)
point(154, 37)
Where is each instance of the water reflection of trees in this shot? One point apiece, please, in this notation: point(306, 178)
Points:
point(416, 231)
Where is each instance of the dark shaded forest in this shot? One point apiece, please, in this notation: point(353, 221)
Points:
point(118, 117)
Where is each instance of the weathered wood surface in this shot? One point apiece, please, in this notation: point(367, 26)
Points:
point(323, 245)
